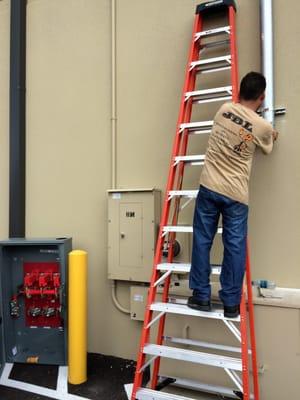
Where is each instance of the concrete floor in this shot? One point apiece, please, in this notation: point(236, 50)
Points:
point(106, 378)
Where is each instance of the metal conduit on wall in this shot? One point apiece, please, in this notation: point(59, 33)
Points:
point(266, 7)
point(17, 119)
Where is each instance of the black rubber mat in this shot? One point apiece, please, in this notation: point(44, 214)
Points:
point(41, 375)
point(106, 378)
point(13, 394)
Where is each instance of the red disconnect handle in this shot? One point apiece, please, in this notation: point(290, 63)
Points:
point(30, 278)
point(44, 279)
point(56, 280)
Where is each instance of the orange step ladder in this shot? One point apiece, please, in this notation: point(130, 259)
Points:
point(237, 368)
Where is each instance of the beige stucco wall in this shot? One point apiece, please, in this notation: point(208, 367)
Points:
point(68, 136)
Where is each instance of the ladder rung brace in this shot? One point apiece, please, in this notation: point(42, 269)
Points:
point(179, 268)
point(212, 32)
point(236, 332)
point(181, 309)
point(223, 61)
point(190, 194)
point(185, 268)
point(197, 357)
point(200, 132)
point(193, 159)
point(182, 228)
point(235, 378)
point(149, 362)
point(225, 98)
point(197, 126)
point(148, 394)
point(202, 387)
point(214, 94)
point(213, 69)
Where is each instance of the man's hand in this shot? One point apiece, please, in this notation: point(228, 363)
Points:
point(275, 135)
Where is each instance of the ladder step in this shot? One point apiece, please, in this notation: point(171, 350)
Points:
point(181, 309)
point(197, 128)
point(201, 387)
point(210, 95)
point(192, 159)
point(185, 268)
point(197, 357)
point(191, 194)
point(149, 394)
point(212, 64)
point(182, 228)
point(212, 32)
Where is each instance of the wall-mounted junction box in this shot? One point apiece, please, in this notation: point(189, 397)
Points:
point(138, 302)
point(133, 220)
point(33, 300)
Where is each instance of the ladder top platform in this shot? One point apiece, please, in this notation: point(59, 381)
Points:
point(210, 7)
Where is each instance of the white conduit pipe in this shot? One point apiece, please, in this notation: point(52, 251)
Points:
point(115, 300)
point(266, 8)
point(113, 95)
point(114, 130)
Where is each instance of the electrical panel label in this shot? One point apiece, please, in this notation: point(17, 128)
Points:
point(138, 297)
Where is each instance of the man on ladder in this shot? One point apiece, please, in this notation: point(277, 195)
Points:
point(236, 133)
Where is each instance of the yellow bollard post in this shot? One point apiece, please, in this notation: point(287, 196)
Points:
point(77, 317)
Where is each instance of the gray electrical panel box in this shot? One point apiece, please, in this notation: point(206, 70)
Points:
point(34, 300)
point(133, 221)
point(2, 361)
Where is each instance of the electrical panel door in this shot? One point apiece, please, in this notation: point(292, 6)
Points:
point(133, 220)
point(131, 230)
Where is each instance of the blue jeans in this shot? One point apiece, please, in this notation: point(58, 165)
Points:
point(209, 206)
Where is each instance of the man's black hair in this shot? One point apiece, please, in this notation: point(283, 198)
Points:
point(252, 86)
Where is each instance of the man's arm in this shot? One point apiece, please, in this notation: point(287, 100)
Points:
point(265, 136)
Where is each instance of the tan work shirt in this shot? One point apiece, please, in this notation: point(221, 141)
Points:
point(236, 132)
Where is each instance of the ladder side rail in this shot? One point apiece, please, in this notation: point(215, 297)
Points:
point(161, 326)
point(243, 310)
point(252, 329)
point(233, 53)
point(244, 345)
point(158, 253)
point(172, 235)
